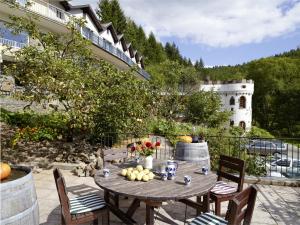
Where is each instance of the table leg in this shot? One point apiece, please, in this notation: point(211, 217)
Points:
point(150, 205)
point(205, 203)
point(133, 207)
point(149, 215)
point(106, 196)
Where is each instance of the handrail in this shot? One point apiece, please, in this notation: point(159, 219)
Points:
point(12, 43)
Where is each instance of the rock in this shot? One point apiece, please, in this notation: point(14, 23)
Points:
point(92, 158)
point(82, 165)
point(84, 157)
point(59, 158)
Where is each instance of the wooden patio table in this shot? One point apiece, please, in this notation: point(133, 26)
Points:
point(156, 191)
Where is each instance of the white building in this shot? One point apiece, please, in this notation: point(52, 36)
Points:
point(54, 15)
point(236, 96)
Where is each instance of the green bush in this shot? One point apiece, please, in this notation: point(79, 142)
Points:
point(259, 132)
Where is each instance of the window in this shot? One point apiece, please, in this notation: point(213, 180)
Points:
point(243, 86)
point(59, 14)
point(243, 125)
point(283, 162)
point(242, 102)
point(296, 164)
point(231, 109)
point(232, 101)
point(231, 123)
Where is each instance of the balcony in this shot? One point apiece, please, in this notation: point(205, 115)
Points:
point(11, 43)
point(57, 14)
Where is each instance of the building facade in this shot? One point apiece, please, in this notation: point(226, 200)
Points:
point(236, 96)
point(53, 17)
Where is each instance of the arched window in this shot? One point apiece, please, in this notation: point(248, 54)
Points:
point(242, 125)
point(242, 102)
point(232, 101)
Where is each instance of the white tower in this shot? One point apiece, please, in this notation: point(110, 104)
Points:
point(236, 96)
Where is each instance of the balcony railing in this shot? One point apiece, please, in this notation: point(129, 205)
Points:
point(11, 43)
point(52, 12)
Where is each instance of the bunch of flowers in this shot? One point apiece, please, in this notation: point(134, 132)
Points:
point(145, 148)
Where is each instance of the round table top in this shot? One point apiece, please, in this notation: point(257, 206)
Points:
point(157, 189)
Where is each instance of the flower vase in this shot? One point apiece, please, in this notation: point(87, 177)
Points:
point(148, 162)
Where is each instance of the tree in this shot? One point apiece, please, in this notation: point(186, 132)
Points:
point(172, 52)
point(199, 65)
point(110, 11)
point(276, 96)
point(154, 51)
point(205, 108)
point(171, 79)
point(63, 70)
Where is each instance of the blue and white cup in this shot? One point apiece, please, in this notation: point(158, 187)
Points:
point(164, 176)
point(106, 172)
point(204, 170)
point(137, 160)
point(187, 180)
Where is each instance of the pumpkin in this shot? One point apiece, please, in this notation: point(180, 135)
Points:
point(185, 139)
point(5, 170)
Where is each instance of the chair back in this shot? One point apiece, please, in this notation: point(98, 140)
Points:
point(233, 165)
point(63, 198)
point(57, 174)
point(241, 207)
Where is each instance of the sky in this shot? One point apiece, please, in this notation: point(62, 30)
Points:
point(221, 32)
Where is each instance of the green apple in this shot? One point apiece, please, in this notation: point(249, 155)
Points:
point(145, 178)
point(151, 175)
point(139, 168)
point(139, 176)
point(132, 177)
point(146, 171)
point(124, 172)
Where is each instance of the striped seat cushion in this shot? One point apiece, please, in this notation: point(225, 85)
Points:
point(222, 188)
point(208, 218)
point(86, 203)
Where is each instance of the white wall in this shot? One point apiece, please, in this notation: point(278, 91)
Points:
point(89, 24)
point(236, 90)
point(107, 36)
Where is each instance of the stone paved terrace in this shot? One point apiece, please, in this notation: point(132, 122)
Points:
point(274, 205)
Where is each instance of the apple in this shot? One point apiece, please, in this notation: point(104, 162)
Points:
point(139, 168)
point(132, 177)
point(146, 171)
point(151, 175)
point(135, 171)
point(124, 172)
point(139, 176)
point(145, 178)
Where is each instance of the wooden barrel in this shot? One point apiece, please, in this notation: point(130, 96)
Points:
point(193, 152)
point(19, 201)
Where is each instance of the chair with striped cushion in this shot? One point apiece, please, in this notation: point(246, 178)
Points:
point(81, 209)
point(222, 190)
point(240, 209)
